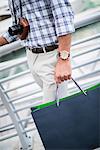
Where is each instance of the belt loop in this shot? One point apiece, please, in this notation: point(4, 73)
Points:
point(44, 50)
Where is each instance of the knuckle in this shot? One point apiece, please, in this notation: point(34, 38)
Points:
point(65, 75)
point(57, 75)
point(62, 76)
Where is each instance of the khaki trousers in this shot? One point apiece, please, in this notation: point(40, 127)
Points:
point(42, 67)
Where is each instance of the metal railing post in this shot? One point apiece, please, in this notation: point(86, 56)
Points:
point(25, 140)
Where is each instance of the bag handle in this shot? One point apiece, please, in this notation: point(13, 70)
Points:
point(77, 86)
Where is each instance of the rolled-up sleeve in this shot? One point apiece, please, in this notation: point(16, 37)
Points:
point(63, 17)
point(8, 37)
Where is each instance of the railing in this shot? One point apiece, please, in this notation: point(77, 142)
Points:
point(12, 101)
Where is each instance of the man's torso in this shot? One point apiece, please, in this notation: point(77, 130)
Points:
point(39, 14)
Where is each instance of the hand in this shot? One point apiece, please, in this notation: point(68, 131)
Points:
point(63, 70)
point(26, 28)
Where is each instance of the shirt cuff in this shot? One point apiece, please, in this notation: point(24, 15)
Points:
point(9, 38)
point(64, 26)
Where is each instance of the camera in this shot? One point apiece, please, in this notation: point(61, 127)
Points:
point(21, 29)
point(15, 30)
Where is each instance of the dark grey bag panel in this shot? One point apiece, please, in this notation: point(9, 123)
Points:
point(75, 124)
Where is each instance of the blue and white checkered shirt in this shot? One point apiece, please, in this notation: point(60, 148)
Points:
point(48, 19)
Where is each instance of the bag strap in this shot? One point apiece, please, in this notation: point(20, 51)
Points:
point(14, 10)
point(57, 100)
point(21, 12)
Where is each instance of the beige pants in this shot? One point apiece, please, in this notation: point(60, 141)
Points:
point(42, 67)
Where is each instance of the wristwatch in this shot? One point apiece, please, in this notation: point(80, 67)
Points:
point(64, 55)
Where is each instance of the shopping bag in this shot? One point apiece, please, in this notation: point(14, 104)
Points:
point(75, 124)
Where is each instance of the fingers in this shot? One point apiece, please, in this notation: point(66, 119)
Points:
point(57, 79)
point(65, 77)
point(62, 78)
point(69, 76)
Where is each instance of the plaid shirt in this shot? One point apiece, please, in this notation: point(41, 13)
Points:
point(48, 19)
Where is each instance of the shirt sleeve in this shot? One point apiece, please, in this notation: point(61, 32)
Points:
point(63, 17)
point(6, 35)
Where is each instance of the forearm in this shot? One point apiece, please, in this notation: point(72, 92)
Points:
point(64, 42)
point(64, 27)
point(3, 41)
point(63, 69)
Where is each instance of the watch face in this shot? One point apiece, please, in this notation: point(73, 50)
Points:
point(64, 55)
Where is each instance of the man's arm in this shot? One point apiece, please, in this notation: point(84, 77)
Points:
point(64, 26)
point(3, 41)
point(6, 38)
point(64, 42)
point(63, 67)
